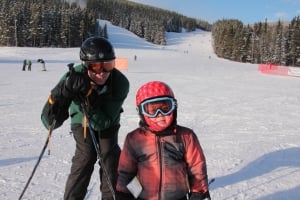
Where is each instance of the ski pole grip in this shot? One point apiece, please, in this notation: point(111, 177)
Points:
point(71, 66)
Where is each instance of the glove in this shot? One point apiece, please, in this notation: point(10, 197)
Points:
point(55, 111)
point(77, 85)
point(124, 196)
point(200, 196)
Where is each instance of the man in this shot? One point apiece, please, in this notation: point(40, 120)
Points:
point(97, 89)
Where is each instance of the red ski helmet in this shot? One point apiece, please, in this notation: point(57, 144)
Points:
point(153, 89)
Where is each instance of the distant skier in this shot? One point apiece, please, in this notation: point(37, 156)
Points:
point(24, 65)
point(43, 64)
point(29, 65)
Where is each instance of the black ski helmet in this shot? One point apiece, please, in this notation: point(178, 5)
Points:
point(96, 49)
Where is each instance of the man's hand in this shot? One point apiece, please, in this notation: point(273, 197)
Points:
point(77, 85)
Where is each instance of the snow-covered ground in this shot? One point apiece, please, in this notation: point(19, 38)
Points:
point(248, 123)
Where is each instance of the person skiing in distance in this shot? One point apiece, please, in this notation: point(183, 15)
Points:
point(24, 65)
point(29, 63)
point(104, 89)
point(43, 64)
point(161, 160)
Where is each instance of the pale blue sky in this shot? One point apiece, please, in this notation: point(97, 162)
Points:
point(248, 11)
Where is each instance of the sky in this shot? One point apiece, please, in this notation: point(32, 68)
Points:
point(247, 122)
point(250, 11)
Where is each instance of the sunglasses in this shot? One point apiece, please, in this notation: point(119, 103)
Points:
point(98, 67)
point(152, 107)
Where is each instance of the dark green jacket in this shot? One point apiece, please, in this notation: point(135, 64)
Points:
point(106, 106)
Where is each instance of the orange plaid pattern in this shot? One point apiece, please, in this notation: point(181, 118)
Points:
point(167, 166)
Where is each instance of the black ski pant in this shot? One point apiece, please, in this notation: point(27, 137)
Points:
point(85, 158)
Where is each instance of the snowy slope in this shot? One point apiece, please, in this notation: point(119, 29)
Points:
point(247, 122)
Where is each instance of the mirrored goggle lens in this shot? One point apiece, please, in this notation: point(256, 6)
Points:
point(153, 107)
point(98, 67)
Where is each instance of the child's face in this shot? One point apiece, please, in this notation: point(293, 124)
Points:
point(160, 122)
point(158, 112)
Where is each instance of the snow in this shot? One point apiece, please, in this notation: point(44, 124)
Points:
point(248, 123)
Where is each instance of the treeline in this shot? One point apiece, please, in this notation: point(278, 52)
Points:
point(145, 21)
point(57, 23)
point(277, 43)
point(44, 23)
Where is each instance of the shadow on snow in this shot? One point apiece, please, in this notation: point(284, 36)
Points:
point(13, 161)
point(263, 165)
point(291, 194)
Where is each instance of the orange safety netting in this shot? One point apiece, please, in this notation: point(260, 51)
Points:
point(121, 63)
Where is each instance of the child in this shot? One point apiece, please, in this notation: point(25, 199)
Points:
point(161, 159)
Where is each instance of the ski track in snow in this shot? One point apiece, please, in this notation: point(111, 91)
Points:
point(247, 122)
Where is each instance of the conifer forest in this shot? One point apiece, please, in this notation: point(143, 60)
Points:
point(61, 23)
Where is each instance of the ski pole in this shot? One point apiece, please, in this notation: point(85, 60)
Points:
point(40, 158)
point(211, 181)
point(84, 104)
point(97, 148)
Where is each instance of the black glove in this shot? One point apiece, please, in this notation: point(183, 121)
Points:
point(124, 196)
point(77, 85)
point(200, 196)
point(57, 111)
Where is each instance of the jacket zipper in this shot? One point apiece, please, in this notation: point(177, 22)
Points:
point(160, 165)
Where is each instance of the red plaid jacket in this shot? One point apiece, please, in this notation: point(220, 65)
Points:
point(167, 166)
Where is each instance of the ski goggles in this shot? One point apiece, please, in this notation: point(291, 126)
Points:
point(98, 67)
point(152, 107)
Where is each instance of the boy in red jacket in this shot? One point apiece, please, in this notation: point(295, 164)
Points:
point(161, 160)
